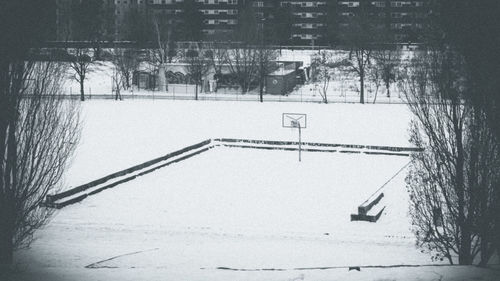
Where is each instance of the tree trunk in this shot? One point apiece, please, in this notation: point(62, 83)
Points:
point(362, 90)
point(376, 94)
point(485, 252)
point(464, 247)
point(261, 90)
point(387, 85)
point(82, 90)
point(464, 255)
point(7, 208)
point(118, 96)
point(127, 80)
point(196, 91)
point(162, 80)
point(6, 230)
point(6, 246)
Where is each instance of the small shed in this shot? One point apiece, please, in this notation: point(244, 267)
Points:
point(281, 81)
point(144, 80)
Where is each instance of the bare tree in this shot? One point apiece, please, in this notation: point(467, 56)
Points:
point(387, 63)
point(375, 76)
point(163, 29)
point(117, 83)
point(483, 177)
point(198, 67)
point(217, 54)
point(243, 62)
point(358, 37)
point(38, 133)
point(125, 63)
point(324, 64)
point(452, 183)
point(243, 57)
point(267, 63)
point(81, 64)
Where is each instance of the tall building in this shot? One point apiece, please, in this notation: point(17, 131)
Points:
point(309, 20)
point(404, 20)
point(220, 17)
point(297, 22)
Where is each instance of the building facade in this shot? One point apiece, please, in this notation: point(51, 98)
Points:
point(404, 20)
point(295, 22)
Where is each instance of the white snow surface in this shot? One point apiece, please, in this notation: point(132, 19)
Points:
point(118, 135)
point(259, 211)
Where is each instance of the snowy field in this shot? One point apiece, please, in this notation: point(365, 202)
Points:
point(231, 213)
point(117, 135)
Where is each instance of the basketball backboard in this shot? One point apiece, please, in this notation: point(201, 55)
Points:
point(293, 120)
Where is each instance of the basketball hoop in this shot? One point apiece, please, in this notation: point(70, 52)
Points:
point(295, 120)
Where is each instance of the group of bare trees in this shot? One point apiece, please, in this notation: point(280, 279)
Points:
point(325, 67)
point(246, 65)
point(370, 57)
point(453, 185)
point(197, 68)
point(125, 62)
point(376, 64)
point(247, 60)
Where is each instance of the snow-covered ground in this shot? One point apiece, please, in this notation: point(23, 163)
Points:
point(119, 134)
point(231, 213)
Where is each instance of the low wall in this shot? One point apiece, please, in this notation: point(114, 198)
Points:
point(81, 192)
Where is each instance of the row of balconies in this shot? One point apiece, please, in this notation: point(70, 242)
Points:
point(383, 4)
point(393, 15)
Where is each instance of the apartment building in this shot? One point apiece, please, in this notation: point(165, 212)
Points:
point(312, 21)
point(403, 19)
point(309, 22)
point(220, 17)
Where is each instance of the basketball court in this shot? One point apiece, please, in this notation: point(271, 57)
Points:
point(241, 209)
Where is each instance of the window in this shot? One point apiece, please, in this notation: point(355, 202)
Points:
point(378, 4)
point(400, 4)
point(352, 4)
point(258, 4)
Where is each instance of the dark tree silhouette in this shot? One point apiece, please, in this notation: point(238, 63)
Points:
point(38, 130)
point(453, 183)
point(471, 28)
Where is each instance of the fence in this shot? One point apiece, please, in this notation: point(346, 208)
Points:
point(340, 92)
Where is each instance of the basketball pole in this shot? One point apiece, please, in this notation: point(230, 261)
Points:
point(300, 143)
